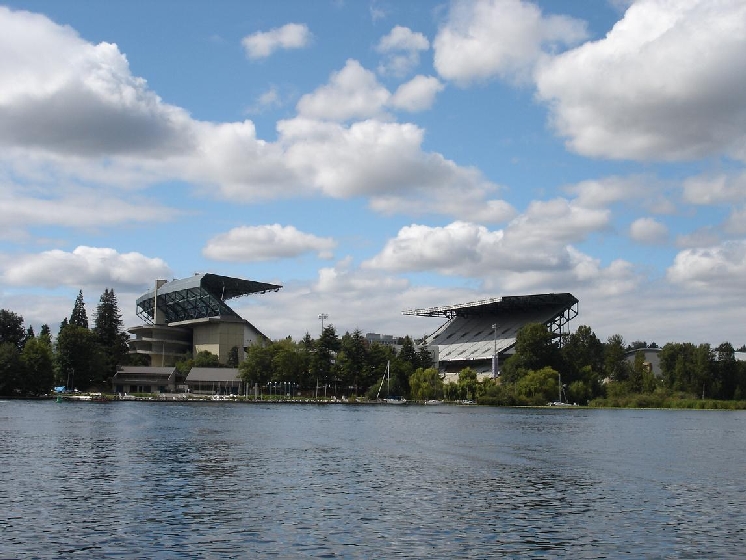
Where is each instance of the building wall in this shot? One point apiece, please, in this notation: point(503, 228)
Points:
point(219, 338)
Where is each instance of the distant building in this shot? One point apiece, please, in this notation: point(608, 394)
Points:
point(144, 379)
point(184, 317)
point(651, 359)
point(385, 339)
point(482, 334)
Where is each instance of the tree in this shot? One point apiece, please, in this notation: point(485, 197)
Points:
point(616, 366)
point(11, 328)
point(80, 363)
point(37, 360)
point(257, 366)
point(534, 349)
point(467, 382)
point(205, 358)
point(538, 387)
point(109, 333)
point(79, 316)
point(233, 357)
point(10, 367)
point(426, 384)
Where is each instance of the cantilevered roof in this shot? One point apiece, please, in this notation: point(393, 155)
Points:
point(492, 306)
point(198, 297)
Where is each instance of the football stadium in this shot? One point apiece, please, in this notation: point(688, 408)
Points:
point(482, 334)
point(190, 315)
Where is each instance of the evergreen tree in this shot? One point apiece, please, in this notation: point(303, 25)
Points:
point(10, 366)
point(45, 331)
point(11, 328)
point(109, 334)
point(79, 316)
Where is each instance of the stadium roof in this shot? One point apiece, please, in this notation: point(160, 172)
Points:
point(198, 297)
point(492, 306)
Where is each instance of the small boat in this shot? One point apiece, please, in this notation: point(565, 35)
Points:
point(433, 401)
point(389, 399)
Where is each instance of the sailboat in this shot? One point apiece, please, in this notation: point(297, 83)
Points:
point(388, 399)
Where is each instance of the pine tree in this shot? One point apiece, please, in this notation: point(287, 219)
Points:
point(79, 316)
point(108, 330)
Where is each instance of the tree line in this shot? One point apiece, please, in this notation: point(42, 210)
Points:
point(80, 356)
point(599, 373)
point(339, 366)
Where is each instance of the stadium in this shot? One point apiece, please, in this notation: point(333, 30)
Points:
point(190, 315)
point(482, 334)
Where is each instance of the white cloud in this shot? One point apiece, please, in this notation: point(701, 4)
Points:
point(401, 48)
point(700, 238)
point(418, 94)
point(482, 39)
point(352, 93)
point(264, 43)
point(85, 266)
point(263, 243)
point(63, 95)
point(374, 159)
point(735, 223)
point(73, 207)
point(533, 243)
point(721, 268)
point(648, 230)
point(715, 189)
point(665, 83)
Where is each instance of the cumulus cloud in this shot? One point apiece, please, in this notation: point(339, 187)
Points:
point(314, 152)
point(715, 189)
point(264, 243)
point(538, 240)
point(85, 266)
point(352, 93)
point(264, 43)
point(418, 94)
point(665, 83)
point(482, 39)
point(61, 94)
point(401, 49)
point(648, 230)
point(721, 268)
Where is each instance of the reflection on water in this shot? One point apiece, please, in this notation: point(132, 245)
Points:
point(223, 480)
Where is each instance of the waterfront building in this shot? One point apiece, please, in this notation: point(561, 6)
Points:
point(184, 317)
point(482, 334)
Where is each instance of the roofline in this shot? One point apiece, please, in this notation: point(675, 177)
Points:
point(526, 301)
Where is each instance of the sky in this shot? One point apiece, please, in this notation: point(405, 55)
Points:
point(374, 157)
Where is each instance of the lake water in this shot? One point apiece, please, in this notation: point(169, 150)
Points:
point(232, 480)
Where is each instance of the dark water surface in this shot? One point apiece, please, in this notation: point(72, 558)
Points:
point(226, 480)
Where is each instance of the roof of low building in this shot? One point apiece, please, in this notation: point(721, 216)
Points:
point(212, 374)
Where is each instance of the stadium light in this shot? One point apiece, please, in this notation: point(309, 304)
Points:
point(323, 316)
point(494, 353)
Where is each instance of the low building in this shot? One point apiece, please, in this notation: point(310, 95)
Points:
point(214, 381)
point(144, 379)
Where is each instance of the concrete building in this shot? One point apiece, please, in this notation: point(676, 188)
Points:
point(184, 317)
point(482, 334)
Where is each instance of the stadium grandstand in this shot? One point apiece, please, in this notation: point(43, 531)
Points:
point(186, 316)
point(482, 334)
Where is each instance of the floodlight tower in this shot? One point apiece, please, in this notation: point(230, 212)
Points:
point(323, 316)
point(494, 354)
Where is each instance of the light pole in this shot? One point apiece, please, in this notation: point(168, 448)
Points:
point(323, 316)
point(494, 354)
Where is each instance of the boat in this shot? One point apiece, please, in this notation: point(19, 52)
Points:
point(389, 399)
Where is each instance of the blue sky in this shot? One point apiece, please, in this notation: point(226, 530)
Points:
point(373, 157)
